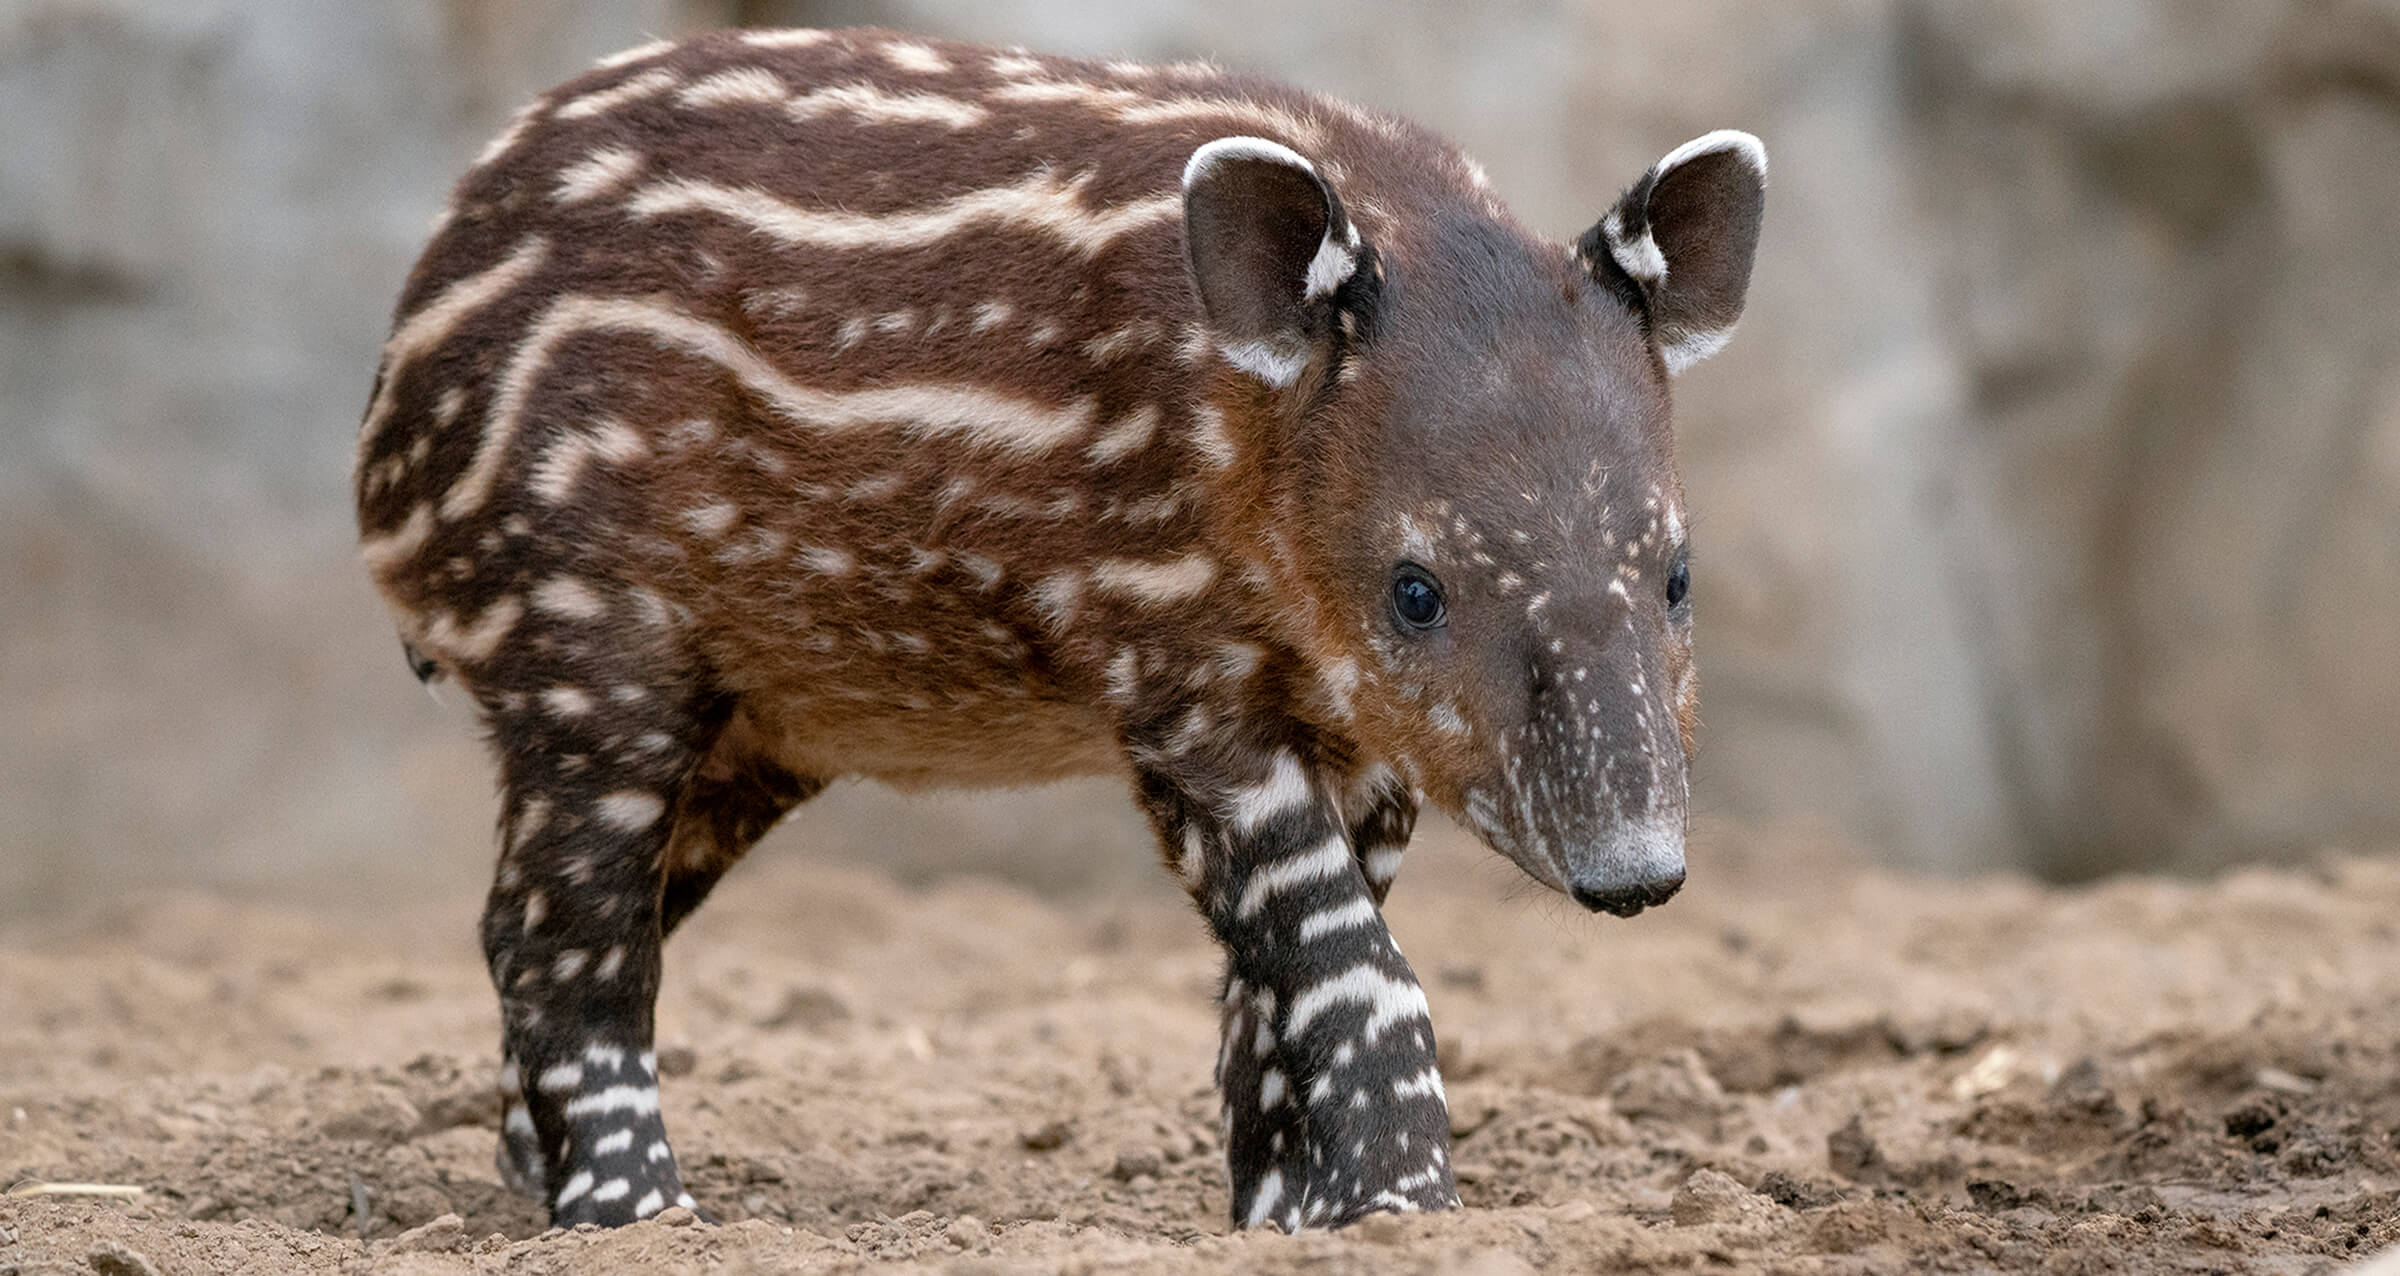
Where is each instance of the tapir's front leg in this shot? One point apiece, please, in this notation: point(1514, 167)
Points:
point(1334, 1106)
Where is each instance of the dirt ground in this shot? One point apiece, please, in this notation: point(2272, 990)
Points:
point(1801, 1065)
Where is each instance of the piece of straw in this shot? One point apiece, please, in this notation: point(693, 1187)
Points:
point(31, 1187)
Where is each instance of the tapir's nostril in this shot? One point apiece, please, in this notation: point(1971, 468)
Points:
point(1625, 901)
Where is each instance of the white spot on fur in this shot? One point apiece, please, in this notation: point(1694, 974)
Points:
point(1209, 438)
point(712, 520)
point(1344, 916)
point(1262, 1206)
point(1194, 860)
point(638, 53)
point(1270, 1089)
point(867, 104)
point(1329, 859)
point(908, 55)
point(567, 702)
point(1236, 660)
point(560, 1078)
point(567, 598)
point(561, 467)
point(1330, 268)
point(1111, 345)
point(575, 1188)
point(471, 642)
point(630, 809)
point(877, 487)
point(1285, 788)
point(986, 572)
point(737, 86)
point(596, 174)
point(1154, 583)
point(1122, 673)
point(1389, 1000)
point(648, 84)
point(636, 1099)
point(1339, 682)
point(1426, 1082)
point(827, 560)
point(383, 553)
point(796, 38)
point(1058, 595)
point(518, 125)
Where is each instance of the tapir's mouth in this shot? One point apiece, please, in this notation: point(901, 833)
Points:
point(1627, 901)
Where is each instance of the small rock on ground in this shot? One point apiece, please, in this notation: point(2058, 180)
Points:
point(1710, 1196)
point(108, 1258)
point(441, 1236)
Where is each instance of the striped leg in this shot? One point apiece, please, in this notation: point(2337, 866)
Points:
point(606, 1097)
point(1266, 1135)
point(1263, 1133)
point(572, 933)
point(1334, 1107)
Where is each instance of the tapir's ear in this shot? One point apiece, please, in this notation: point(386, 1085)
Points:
point(1684, 236)
point(1270, 247)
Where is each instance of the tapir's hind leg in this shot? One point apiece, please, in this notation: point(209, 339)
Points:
point(626, 798)
point(591, 776)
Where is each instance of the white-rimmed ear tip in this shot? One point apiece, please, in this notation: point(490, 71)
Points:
point(1691, 348)
point(1742, 144)
point(1219, 151)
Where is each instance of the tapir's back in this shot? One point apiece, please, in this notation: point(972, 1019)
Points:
point(877, 358)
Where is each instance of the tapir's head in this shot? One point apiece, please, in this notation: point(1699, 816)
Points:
point(1474, 479)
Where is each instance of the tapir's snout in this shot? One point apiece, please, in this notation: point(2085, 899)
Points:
point(1625, 901)
point(1641, 868)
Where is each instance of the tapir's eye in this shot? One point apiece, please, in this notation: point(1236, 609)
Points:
point(1679, 581)
point(1416, 598)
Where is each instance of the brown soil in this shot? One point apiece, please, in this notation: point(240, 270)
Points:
point(1799, 1066)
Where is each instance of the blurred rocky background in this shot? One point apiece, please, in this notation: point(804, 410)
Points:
point(2048, 505)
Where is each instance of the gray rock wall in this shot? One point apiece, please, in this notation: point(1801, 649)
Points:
point(2048, 502)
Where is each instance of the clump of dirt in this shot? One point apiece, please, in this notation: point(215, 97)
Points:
point(1800, 1065)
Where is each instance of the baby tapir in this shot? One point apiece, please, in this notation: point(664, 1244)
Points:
point(779, 406)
